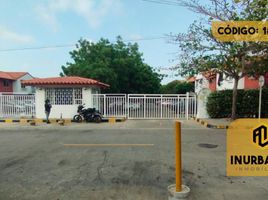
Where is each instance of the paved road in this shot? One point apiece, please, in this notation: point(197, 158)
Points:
point(35, 163)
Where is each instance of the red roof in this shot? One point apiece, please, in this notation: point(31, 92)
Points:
point(191, 79)
point(67, 80)
point(12, 75)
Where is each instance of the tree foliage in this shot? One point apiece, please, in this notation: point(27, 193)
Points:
point(202, 52)
point(120, 65)
point(177, 87)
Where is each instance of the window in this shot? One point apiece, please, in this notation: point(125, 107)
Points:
point(64, 96)
point(22, 86)
point(6, 83)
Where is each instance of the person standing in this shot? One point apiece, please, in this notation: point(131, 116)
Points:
point(47, 110)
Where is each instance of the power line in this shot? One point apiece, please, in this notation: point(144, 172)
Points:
point(164, 2)
point(37, 48)
point(72, 45)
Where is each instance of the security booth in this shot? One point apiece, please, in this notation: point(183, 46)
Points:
point(64, 93)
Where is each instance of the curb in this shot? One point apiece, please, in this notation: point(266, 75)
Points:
point(38, 121)
point(207, 125)
point(53, 121)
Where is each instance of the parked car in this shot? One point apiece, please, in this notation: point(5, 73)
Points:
point(13, 107)
point(134, 106)
point(116, 104)
point(122, 104)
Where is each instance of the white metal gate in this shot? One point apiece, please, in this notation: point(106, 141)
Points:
point(17, 105)
point(160, 106)
point(132, 106)
point(111, 105)
point(146, 106)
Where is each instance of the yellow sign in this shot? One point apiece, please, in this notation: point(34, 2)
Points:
point(247, 148)
point(229, 31)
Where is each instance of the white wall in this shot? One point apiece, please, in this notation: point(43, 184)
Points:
point(67, 111)
point(228, 84)
point(87, 97)
point(17, 85)
point(39, 103)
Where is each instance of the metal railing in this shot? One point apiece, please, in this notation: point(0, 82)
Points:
point(111, 105)
point(146, 106)
point(132, 106)
point(17, 105)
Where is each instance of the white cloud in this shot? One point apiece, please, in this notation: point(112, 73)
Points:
point(93, 11)
point(6, 34)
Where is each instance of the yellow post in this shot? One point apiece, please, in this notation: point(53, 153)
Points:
point(112, 120)
point(178, 155)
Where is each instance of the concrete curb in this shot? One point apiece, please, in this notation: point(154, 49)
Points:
point(53, 121)
point(208, 125)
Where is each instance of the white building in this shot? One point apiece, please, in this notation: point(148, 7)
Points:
point(10, 82)
point(64, 93)
point(217, 82)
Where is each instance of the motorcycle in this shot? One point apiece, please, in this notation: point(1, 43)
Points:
point(88, 114)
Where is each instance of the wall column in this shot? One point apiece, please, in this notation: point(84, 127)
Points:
point(87, 97)
point(40, 103)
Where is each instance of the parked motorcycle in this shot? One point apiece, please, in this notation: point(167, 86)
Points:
point(88, 114)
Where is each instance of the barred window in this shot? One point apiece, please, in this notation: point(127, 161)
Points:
point(64, 96)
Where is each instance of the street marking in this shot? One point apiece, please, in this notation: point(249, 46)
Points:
point(108, 145)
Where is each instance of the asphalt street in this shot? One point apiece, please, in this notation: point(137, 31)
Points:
point(122, 161)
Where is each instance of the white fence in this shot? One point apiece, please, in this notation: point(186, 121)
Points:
point(17, 105)
point(111, 104)
point(146, 106)
point(132, 106)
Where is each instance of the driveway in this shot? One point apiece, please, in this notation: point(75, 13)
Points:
point(46, 162)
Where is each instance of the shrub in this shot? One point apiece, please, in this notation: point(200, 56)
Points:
point(219, 104)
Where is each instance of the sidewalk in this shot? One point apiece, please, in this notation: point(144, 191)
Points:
point(222, 123)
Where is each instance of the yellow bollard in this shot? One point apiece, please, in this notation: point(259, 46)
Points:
point(178, 191)
point(178, 156)
point(112, 120)
point(9, 121)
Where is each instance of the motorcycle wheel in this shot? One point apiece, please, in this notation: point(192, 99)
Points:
point(97, 119)
point(77, 118)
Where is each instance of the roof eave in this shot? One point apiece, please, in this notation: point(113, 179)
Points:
point(101, 85)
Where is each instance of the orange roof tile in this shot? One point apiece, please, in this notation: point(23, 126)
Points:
point(191, 79)
point(67, 80)
point(12, 75)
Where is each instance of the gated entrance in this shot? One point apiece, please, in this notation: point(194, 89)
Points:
point(17, 105)
point(131, 106)
point(146, 106)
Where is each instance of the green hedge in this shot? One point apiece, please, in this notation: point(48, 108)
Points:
point(219, 103)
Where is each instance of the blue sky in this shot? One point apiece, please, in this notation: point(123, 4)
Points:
point(34, 23)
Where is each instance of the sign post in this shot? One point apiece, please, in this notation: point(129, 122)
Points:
point(261, 83)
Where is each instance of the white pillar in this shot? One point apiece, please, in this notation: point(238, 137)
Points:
point(87, 97)
point(187, 106)
point(202, 103)
point(40, 103)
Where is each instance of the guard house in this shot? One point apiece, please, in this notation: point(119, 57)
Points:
point(64, 93)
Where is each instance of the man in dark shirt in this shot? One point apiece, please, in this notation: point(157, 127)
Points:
point(47, 110)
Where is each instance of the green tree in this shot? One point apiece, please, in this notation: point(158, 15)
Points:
point(202, 52)
point(177, 87)
point(120, 65)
